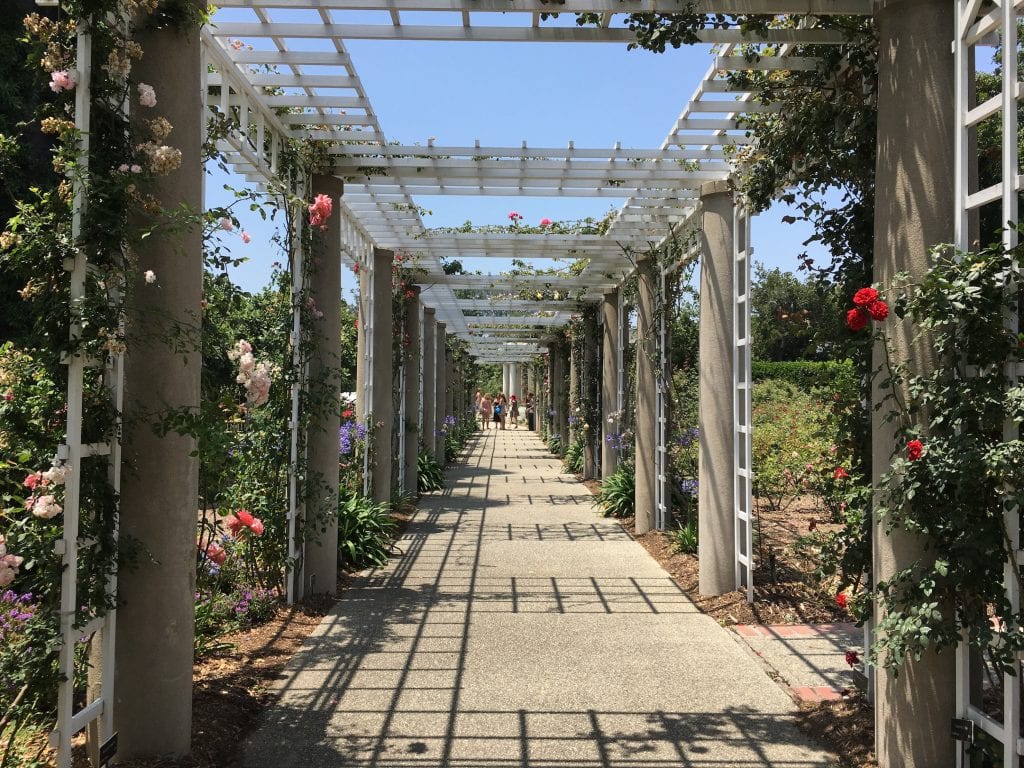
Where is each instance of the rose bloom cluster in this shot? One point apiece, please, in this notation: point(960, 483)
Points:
point(243, 520)
point(9, 564)
point(866, 306)
point(255, 377)
point(320, 211)
point(40, 504)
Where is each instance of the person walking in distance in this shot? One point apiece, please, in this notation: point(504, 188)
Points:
point(486, 404)
point(499, 411)
point(529, 410)
point(477, 400)
point(513, 412)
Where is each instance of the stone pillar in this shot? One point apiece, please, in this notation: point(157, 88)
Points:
point(646, 412)
point(320, 514)
point(412, 389)
point(716, 493)
point(152, 704)
point(441, 389)
point(381, 398)
point(609, 380)
point(362, 318)
point(429, 382)
point(914, 208)
point(592, 432)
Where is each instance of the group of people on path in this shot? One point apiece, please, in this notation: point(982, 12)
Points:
point(498, 409)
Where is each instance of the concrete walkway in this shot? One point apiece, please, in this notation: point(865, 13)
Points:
point(519, 629)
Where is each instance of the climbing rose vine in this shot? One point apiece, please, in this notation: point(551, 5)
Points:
point(953, 474)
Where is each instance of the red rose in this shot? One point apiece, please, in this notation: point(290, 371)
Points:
point(857, 320)
point(865, 297)
point(840, 474)
point(914, 450)
point(245, 517)
point(841, 599)
point(256, 526)
point(879, 310)
point(852, 658)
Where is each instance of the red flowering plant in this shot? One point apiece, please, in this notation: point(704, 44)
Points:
point(957, 463)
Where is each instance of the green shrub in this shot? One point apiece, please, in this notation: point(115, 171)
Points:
point(837, 376)
point(573, 462)
point(793, 430)
point(364, 531)
point(429, 475)
point(617, 497)
point(555, 445)
point(684, 537)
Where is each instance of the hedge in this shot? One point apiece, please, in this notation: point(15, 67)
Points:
point(836, 375)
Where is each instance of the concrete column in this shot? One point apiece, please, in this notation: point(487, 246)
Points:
point(609, 380)
point(452, 381)
point(412, 389)
point(562, 403)
point(531, 387)
point(914, 206)
point(716, 494)
point(381, 398)
point(441, 388)
point(549, 391)
point(363, 318)
point(152, 704)
point(591, 388)
point(429, 382)
point(575, 401)
point(320, 514)
point(646, 412)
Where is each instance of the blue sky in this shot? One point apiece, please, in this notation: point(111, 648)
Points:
point(547, 94)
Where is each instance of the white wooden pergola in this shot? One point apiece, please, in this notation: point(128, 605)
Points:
point(326, 100)
point(293, 78)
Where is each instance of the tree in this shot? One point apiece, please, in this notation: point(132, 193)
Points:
point(791, 319)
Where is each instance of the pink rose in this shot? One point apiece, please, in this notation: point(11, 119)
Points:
point(545, 223)
point(61, 80)
point(246, 238)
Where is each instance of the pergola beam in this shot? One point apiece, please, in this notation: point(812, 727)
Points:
point(798, 7)
point(451, 33)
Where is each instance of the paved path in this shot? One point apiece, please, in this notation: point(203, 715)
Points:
point(519, 629)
